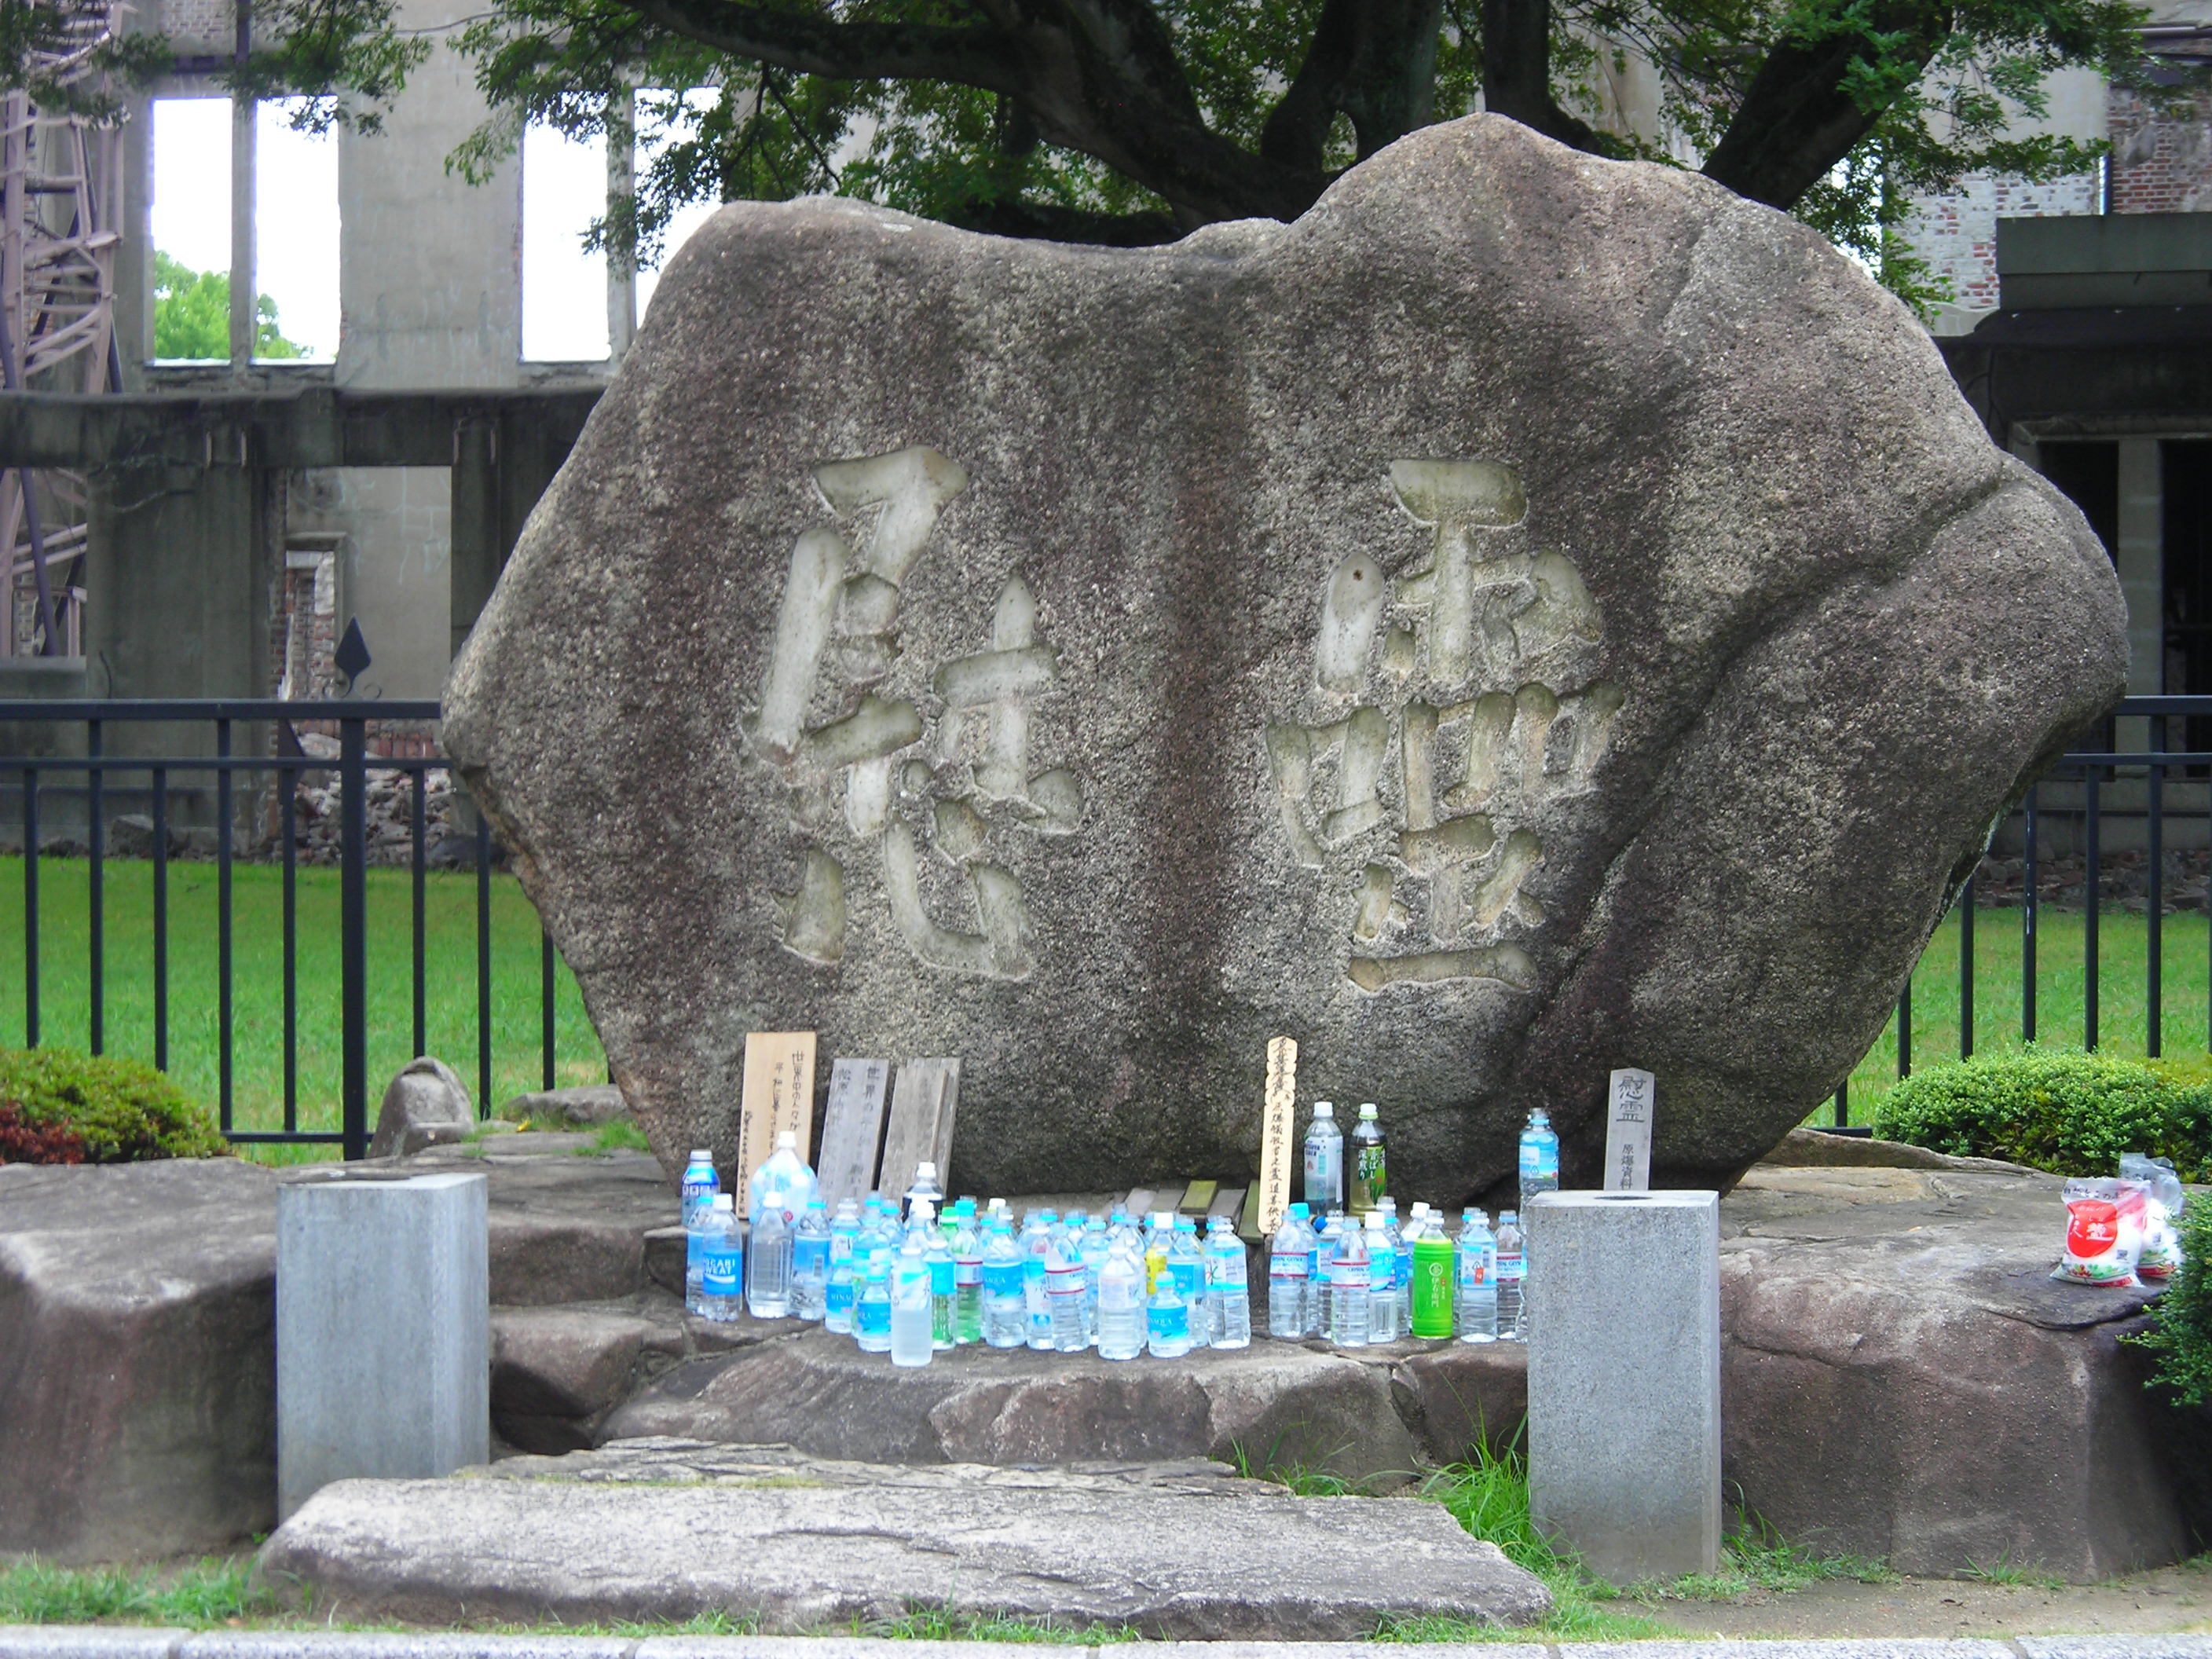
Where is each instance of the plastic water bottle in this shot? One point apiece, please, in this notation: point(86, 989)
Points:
point(1036, 1240)
point(1063, 1290)
point(1121, 1311)
point(937, 1263)
point(1094, 1247)
point(1228, 1295)
point(1290, 1271)
point(722, 1285)
point(1005, 1312)
point(1324, 1159)
point(1368, 1177)
point(1320, 1261)
point(1475, 1259)
point(1539, 1157)
point(910, 1299)
point(1349, 1291)
point(1187, 1262)
point(700, 1184)
point(784, 1172)
point(871, 1315)
point(1434, 1293)
point(1400, 1254)
point(967, 1276)
point(1120, 1230)
point(1159, 1231)
point(767, 1275)
point(925, 1187)
point(1167, 1320)
point(1512, 1322)
point(1382, 1282)
point(810, 1262)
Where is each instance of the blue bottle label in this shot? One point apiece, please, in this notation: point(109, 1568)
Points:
point(810, 1255)
point(1538, 1159)
point(940, 1278)
point(838, 1298)
point(874, 1319)
point(1189, 1279)
point(1002, 1279)
point(1170, 1324)
point(725, 1269)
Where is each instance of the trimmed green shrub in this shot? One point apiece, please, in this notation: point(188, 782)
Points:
point(2180, 1333)
point(2058, 1109)
point(76, 1107)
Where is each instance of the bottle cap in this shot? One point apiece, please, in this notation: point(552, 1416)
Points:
point(1420, 1206)
point(1324, 1109)
point(1375, 1221)
point(723, 1201)
point(776, 1199)
point(786, 1137)
point(924, 1211)
point(925, 1170)
point(1300, 1210)
point(1162, 1219)
point(1367, 1108)
point(702, 1155)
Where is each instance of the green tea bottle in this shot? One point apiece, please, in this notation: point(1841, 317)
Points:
point(1368, 1181)
point(1434, 1284)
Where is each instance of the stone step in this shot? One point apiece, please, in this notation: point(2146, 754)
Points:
point(665, 1530)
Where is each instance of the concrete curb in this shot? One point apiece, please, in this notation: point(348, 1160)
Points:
point(119, 1641)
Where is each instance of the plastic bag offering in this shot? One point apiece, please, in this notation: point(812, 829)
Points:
point(2105, 1222)
point(2161, 1244)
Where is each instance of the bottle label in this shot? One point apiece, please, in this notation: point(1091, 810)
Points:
point(1225, 1270)
point(725, 1269)
point(1539, 1160)
point(968, 1270)
point(1508, 1267)
point(1383, 1270)
point(838, 1298)
point(1288, 1267)
point(1170, 1324)
point(874, 1319)
point(1002, 1279)
point(1064, 1281)
point(810, 1255)
point(1189, 1279)
point(940, 1278)
point(1324, 1178)
point(1370, 1177)
point(1473, 1269)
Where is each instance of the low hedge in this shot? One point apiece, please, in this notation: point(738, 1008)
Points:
point(2057, 1109)
point(60, 1107)
point(2180, 1333)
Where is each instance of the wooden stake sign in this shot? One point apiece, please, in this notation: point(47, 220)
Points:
point(925, 1101)
point(1278, 1147)
point(1628, 1131)
point(853, 1128)
point(779, 1095)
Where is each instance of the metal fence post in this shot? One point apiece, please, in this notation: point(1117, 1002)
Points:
point(353, 926)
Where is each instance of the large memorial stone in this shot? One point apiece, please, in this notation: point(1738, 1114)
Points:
point(1532, 616)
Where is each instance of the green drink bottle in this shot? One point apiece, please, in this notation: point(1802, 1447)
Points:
point(1433, 1285)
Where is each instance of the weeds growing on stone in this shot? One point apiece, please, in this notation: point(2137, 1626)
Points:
point(925, 1624)
point(618, 1135)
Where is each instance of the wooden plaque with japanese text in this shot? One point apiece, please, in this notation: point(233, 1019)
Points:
point(779, 1095)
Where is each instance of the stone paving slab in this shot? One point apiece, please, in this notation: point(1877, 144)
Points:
point(1195, 1555)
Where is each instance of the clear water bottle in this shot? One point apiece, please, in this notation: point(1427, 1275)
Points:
point(1324, 1159)
point(1290, 1271)
point(1094, 1246)
point(784, 1172)
point(1121, 1230)
point(1187, 1262)
point(1121, 1311)
point(1321, 1262)
point(937, 1256)
point(1349, 1291)
point(1539, 1157)
point(1382, 1282)
point(1167, 1320)
point(810, 1262)
point(1512, 1267)
point(1036, 1241)
point(1005, 1311)
point(768, 1274)
point(967, 1276)
point(1369, 1177)
point(872, 1311)
point(843, 1280)
point(1228, 1293)
point(722, 1279)
point(1475, 1261)
point(1402, 1256)
point(1063, 1290)
point(911, 1309)
point(700, 1184)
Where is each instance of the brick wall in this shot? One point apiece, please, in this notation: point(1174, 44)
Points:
point(1957, 233)
point(2160, 166)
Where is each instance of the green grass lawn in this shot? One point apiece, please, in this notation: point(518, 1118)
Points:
point(450, 969)
point(2123, 1004)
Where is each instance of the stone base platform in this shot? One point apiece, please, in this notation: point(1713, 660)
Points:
point(672, 1529)
point(1901, 1379)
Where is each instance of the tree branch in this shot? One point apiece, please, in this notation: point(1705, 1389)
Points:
point(1374, 61)
point(1516, 70)
point(814, 44)
point(1797, 119)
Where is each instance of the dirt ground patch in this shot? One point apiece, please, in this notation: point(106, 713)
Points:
point(2168, 1600)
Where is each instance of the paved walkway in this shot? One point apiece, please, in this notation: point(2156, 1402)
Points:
point(112, 1642)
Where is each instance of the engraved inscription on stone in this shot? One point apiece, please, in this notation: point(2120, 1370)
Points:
point(1628, 1131)
point(1449, 700)
point(933, 787)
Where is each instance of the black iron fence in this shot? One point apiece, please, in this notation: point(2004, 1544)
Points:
point(43, 766)
point(2077, 806)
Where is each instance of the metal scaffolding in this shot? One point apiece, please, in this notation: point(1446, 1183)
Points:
point(60, 222)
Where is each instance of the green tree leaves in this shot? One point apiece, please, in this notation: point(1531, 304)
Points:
point(191, 315)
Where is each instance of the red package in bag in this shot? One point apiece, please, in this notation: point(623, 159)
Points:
point(2105, 1222)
